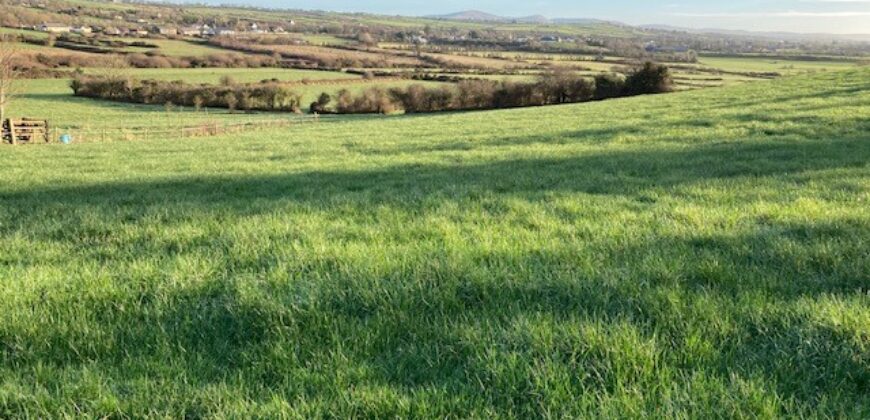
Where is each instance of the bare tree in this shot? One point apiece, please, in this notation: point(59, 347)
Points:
point(8, 73)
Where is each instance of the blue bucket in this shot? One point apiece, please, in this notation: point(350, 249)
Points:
point(65, 138)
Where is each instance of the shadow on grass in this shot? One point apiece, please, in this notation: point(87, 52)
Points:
point(444, 329)
point(475, 336)
point(625, 173)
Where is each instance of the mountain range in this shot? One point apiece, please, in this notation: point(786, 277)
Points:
point(479, 16)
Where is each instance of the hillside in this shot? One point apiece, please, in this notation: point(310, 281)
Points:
point(471, 15)
point(478, 16)
point(697, 255)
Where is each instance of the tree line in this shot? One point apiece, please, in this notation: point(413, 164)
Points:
point(555, 87)
point(263, 96)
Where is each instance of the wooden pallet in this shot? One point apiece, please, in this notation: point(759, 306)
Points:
point(25, 130)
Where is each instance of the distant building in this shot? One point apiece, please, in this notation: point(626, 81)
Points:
point(164, 30)
point(224, 31)
point(278, 30)
point(112, 31)
point(55, 28)
point(206, 30)
point(83, 30)
point(551, 38)
point(254, 29)
point(191, 31)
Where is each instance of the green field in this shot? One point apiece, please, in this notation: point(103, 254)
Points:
point(762, 64)
point(693, 255)
point(175, 47)
point(52, 99)
point(214, 75)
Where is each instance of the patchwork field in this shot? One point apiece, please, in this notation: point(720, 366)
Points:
point(214, 75)
point(700, 254)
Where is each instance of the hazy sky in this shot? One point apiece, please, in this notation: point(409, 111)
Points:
point(833, 16)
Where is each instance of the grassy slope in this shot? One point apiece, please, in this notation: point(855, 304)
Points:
point(695, 254)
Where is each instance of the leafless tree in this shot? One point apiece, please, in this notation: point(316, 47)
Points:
point(8, 73)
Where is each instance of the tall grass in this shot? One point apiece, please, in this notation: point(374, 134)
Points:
point(694, 255)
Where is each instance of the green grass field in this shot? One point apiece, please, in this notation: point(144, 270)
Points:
point(175, 47)
point(762, 64)
point(693, 255)
point(52, 99)
point(248, 75)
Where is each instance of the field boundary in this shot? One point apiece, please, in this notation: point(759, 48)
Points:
point(204, 129)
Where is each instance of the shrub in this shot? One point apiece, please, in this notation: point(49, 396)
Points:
point(556, 87)
point(608, 86)
point(320, 106)
point(650, 78)
point(230, 101)
point(264, 96)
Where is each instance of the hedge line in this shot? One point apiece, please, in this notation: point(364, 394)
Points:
point(266, 96)
point(557, 87)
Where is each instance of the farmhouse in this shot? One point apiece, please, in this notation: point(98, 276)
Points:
point(224, 31)
point(55, 28)
point(83, 30)
point(164, 30)
point(191, 31)
point(255, 29)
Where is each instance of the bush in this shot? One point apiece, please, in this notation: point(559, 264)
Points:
point(608, 86)
point(320, 106)
point(650, 78)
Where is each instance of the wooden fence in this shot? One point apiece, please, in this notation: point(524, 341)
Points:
point(25, 130)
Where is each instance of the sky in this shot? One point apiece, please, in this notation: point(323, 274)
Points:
point(805, 16)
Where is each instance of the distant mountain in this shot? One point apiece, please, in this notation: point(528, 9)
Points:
point(758, 34)
point(583, 21)
point(538, 19)
point(478, 16)
point(471, 15)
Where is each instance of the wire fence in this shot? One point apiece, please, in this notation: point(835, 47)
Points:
point(155, 132)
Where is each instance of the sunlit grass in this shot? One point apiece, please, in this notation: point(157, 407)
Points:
point(691, 255)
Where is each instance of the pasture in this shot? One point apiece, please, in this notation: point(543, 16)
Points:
point(700, 254)
point(53, 99)
point(214, 75)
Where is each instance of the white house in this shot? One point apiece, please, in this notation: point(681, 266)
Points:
point(55, 28)
point(191, 31)
point(255, 29)
point(83, 30)
point(164, 30)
